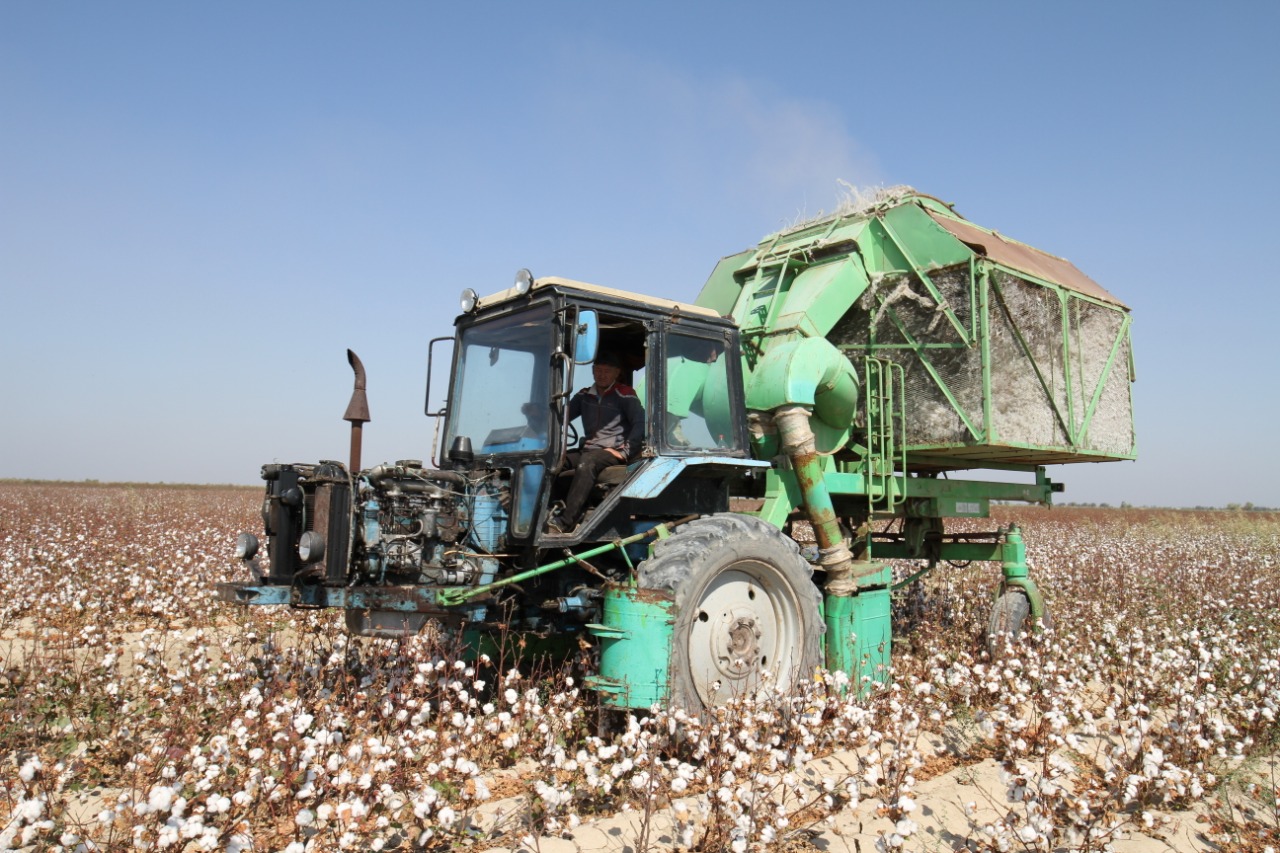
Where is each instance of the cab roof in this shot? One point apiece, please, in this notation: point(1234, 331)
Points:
point(605, 293)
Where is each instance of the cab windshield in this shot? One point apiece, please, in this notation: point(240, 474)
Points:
point(500, 396)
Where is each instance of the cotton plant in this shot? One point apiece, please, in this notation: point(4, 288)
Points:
point(216, 727)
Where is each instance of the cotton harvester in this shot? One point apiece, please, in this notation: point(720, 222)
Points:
point(836, 375)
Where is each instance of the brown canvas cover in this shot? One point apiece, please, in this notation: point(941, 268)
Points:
point(1022, 257)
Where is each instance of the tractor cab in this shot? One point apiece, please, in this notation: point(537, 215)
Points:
point(520, 356)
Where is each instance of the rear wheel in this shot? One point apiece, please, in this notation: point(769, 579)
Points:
point(745, 605)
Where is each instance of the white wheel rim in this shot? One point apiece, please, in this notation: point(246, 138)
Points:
point(745, 622)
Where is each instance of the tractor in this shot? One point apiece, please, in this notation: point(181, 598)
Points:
point(805, 417)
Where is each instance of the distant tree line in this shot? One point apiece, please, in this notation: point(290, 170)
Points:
point(1248, 506)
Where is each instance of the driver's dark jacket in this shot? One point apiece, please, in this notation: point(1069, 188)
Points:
point(612, 421)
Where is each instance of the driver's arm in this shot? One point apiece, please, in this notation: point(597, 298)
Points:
point(634, 413)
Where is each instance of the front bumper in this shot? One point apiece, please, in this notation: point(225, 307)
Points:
point(402, 599)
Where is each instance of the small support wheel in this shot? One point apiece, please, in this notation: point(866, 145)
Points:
point(1011, 614)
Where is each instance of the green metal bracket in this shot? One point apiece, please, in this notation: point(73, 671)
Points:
point(918, 269)
point(984, 338)
point(1029, 588)
point(1104, 376)
point(1013, 554)
point(453, 596)
point(919, 349)
point(908, 581)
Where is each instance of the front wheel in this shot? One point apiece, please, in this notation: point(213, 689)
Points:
point(745, 605)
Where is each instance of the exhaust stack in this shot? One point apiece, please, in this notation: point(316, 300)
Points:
point(357, 410)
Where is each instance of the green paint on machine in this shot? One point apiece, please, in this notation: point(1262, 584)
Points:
point(635, 647)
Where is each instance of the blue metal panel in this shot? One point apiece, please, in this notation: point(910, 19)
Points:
point(530, 482)
point(488, 521)
point(656, 474)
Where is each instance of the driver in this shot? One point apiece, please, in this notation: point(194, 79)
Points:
point(612, 430)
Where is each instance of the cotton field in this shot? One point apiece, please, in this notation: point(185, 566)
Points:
point(138, 713)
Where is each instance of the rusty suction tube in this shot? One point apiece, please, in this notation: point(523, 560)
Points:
point(799, 445)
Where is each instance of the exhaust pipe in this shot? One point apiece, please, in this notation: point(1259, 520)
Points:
point(357, 410)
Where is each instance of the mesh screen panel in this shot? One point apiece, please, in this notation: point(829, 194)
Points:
point(896, 319)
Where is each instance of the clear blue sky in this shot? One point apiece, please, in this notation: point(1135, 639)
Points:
point(203, 205)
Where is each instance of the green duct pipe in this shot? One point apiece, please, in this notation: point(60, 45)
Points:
point(808, 372)
point(804, 395)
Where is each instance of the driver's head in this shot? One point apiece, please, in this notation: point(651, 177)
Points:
point(607, 369)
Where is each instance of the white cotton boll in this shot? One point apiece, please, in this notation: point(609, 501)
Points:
point(236, 843)
point(160, 798)
point(302, 722)
point(29, 811)
point(216, 804)
point(306, 817)
point(30, 768)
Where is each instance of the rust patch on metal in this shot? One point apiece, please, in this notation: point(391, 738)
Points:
point(644, 595)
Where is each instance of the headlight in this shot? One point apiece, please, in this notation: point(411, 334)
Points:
point(468, 300)
point(246, 546)
point(524, 282)
point(310, 547)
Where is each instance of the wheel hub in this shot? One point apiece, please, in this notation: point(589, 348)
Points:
point(745, 624)
point(736, 639)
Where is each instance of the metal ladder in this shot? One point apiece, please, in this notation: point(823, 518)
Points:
point(885, 389)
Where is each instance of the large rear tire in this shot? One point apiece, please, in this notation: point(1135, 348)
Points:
point(745, 605)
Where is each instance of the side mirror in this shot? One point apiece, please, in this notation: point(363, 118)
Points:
point(431, 349)
point(588, 337)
